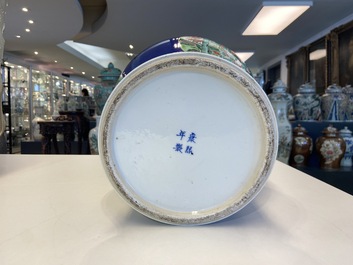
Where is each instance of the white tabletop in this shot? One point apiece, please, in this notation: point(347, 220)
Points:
point(59, 209)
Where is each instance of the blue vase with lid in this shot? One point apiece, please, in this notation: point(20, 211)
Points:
point(333, 104)
point(306, 104)
point(109, 79)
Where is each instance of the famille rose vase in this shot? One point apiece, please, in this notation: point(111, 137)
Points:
point(186, 44)
point(331, 148)
point(301, 148)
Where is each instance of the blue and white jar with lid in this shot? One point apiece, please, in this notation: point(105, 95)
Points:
point(279, 93)
point(333, 104)
point(348, 91)
point(281, 102)
point(346, 134)
point(306, 103)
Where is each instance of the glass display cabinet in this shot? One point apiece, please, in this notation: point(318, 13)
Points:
point(75, 88)
point(18, 115)
point(41, 94)
point(32, 95)
point(60, 88)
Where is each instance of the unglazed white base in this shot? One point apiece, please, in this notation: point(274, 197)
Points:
point(188, 138)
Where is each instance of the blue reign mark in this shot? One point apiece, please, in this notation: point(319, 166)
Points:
point(190, 140)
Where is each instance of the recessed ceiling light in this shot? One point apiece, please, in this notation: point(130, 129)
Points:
point(83, 73)
point(318, 54)
point(131, 46)
point(27, 30)
point(18, 36)
point(92, 77)
point(274, 17)
point(36, 53)
point(71, 67)
point(55, 61)
point(24, 9)
point(30, 21)
point(244, 55)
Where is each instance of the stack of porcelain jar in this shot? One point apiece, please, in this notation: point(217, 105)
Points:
point(334, 146)
point(335, 105)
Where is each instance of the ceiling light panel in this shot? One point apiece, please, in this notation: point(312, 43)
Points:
point(244, 55)
point(274, 17)
point(318, 54)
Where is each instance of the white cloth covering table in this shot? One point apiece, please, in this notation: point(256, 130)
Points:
point(61, 209)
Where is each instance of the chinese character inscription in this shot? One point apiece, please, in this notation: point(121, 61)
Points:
point(186, 142)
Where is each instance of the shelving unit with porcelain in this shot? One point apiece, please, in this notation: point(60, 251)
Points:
point(341, 178)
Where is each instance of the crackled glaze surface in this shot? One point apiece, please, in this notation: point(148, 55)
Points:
point(188, 138)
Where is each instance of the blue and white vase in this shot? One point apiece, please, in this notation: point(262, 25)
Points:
point(109, 77)
point(282, 103)
point(348, 91)
point(306, 104)
point(346, 134)
point(333, 104)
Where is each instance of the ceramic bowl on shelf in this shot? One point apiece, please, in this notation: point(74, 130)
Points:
point(188, 138)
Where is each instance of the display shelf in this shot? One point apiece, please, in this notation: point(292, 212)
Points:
point(16, 105)
point(341, 178)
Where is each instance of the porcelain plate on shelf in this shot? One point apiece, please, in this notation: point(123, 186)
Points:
point(188, 138)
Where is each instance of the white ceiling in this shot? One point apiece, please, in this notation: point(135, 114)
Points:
point(114, 24)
